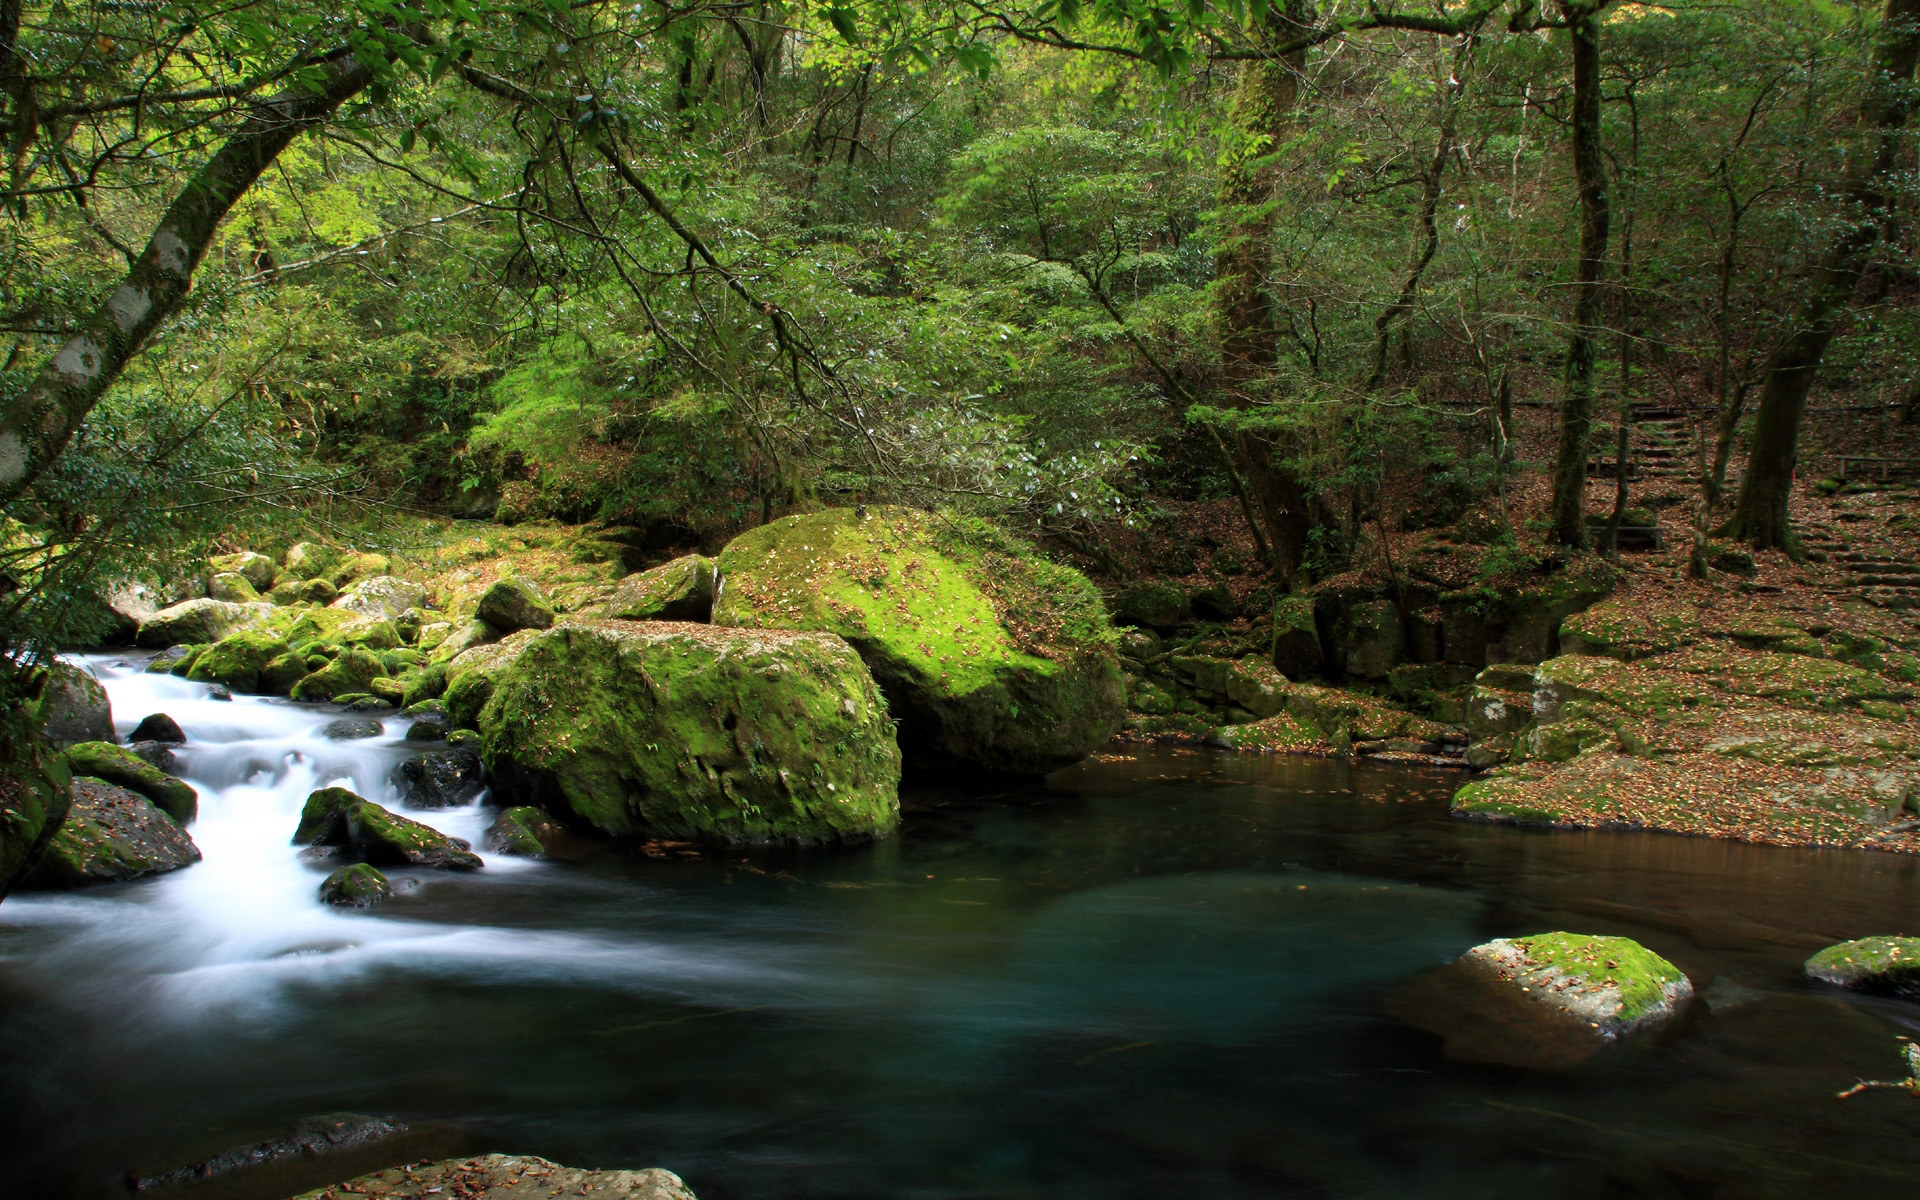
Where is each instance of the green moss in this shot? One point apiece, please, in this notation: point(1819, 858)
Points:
point(185, 662)
point(1872, 962)
point(353, 671)
point(1790, 678)
point(236, 660)
point(323, 817)
point(1487, 799)
point(278, 675)
point(661, 730)
point(428, 683)
point(1642, 976)
point(122, 768)
point(357, 886)
point(386, 837)
point(681, 590)
point(318, 625)
point(992, 658)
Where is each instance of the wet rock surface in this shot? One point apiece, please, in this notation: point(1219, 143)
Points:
point(441, 778)
point(111, 834)
point(507, 1177)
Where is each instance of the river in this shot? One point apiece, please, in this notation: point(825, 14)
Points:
point(1155, 974)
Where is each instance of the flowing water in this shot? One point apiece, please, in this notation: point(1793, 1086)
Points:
point(1156, 974)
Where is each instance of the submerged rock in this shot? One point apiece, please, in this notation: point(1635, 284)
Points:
point(681, 590)
point(665, 729)
point(158, 727)
point(333, 1135)
point(509, 1177)
point(349, 729)
point(1872, 964)
point(441, 779)
point(524, 832)
point(990, 658)
point(111, 834)
point(356, 886)
point(514, 604)
point(73, 707)
point(123, 768)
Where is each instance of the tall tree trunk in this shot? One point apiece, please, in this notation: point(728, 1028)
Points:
point(37, 426)
point(1760, 515)
point(1569, 513)
point(1262, 113)
point(1428, 240)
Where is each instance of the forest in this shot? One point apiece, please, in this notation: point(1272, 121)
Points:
point(1368, 471)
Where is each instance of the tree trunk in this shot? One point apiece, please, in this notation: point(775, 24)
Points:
point(1428, 240)
point(1262, 111)
point(1760, 515)
point(36, 427)
point(1569, 515)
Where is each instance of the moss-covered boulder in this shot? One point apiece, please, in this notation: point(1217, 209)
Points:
point(158, 727)
point(237, 659)
point(1251, 684)
point(323, 818)
point(231, 587)
point(523, 832)
point(123, 768)
point(991, 658)
point(357, 886)
point(306, 560)
point(440, 779)
point(383, 596)
point(315, 591)
point(280, 673)
point(513, 604)
point(1613, 985)
point(111, 834)
point(1618, 628)
point(351, 672)
point(36, 792)
point(468, 636)
point(338, 817)
point(1371, 637)
point(1871, 964)
point(663, 729)
point(681, 590)
point(1296, 649)
point(1152, 605)
point(256, 569)
point(72, 706)
point(357, 565)
point(428, 683)
point(195, 621)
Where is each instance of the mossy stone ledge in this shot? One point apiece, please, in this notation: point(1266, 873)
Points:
point(992, 658)
point(666, 729)
point(1870, 964)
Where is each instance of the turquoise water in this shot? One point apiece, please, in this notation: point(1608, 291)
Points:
point(1156, 974)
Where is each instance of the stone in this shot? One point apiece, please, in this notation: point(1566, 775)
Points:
point(219, 691)
point(231, 587)
point(432, 634)
point(514, 604)
point(123, 768)
point(110, 835)
point(357, 886)
point(354, 565)
point(1160, 606)
point(257, 569)
point(1296, 649)
point(523, 832)
point(194, 621)
point(39, 796)
point(349, 729)
point(508, 1177)
point(279, 674)
point(334, 1138)
point(440, 779)
point(383, 596)
point(237, 659)
point(991, 658)
point(158, 727)
point(305, 560)
point(467, 637)
point(428, 684)
point(681, 590)
point(1619, 629)
point(679, 730)
point(351, 672)
point(1373, 638)
point(428, 729)
point(158, 755)
point(338, 817)
point(1251, 683)
point(72, 706)
point(1872, 964)
point(1214, 602)
point(316, 591)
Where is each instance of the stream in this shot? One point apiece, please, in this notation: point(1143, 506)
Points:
point(1154, 974)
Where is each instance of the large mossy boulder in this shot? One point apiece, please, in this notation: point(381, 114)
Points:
point(523, 832)
point(663, 729)
point(72, 706)
point(991, 658)
point(1152, 605)
point(358, 885)
point(231, 587)
point(338, 817)
point(383, 596)
point(257, 569)
point(352, 671)
point(1871, 964)
point(196, 622)
point(308, 560)
point(36, 791)
point(440, 779)
point(514, 604)
point(111, 834)
point(124, 768)
point(237, 660)
point(681, 590)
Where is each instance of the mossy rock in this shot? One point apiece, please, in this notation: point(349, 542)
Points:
point(1564, 740)
point(1644, 689)
point(232, 587)
point(111, 834)
point(306, 560)
point(184, 662)
point(522, 832)
point(338, 817)
point(681, 590)
point(389, 689)
point(431, 635)
point(257, 569)
point(382, 596)
point(122, 768)
point(39, 793)
point(1627, 631)
point(353, 566)
point(468, 636)
point(1794, 679)
point(369, 633)
point(1492, 799)
point(357, 886)
point(1251, 683)
point(1282, 734)
point(71, 706)
point(1373, 638)
point(990, 657)
point(1152, 605)
point(428, 683)
point(318, 625)
point(660, 729)
point(315, 591)
point(201, 622)
point(440, 779)
point(279, 674)
point(1871, 964)
point(1296, 649)
point(514, 604)
point(323, 818)
point(237, 660)
point(353, 671)
point(1613, 985)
